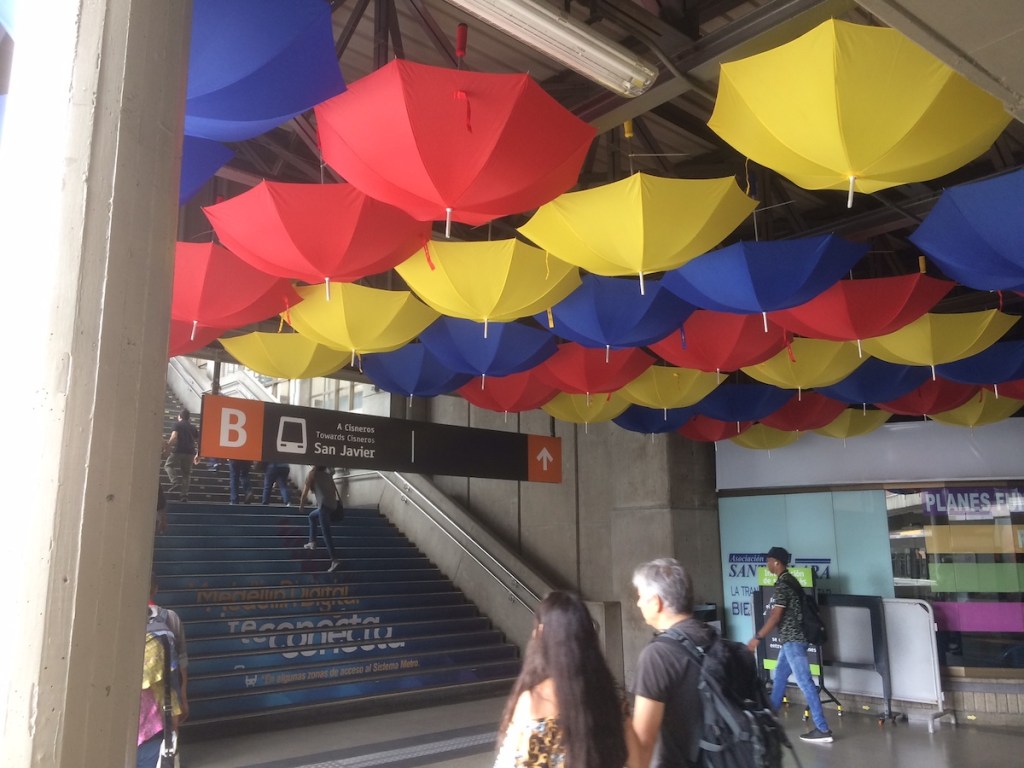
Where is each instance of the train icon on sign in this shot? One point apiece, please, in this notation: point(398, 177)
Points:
point(291, 435)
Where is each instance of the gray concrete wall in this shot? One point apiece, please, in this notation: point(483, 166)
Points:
point(624, 498)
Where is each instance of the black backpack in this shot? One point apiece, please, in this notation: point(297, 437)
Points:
point(738, 728)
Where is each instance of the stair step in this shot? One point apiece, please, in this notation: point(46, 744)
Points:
point(260, 659)
point(286, 697)
point(292, 579)
point(320, 671)
point(344, 547)
point(305, 561)
point(315, 606)
point(181, 598)
point(285, 638)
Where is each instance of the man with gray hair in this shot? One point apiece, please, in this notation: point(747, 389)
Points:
point(667, 710)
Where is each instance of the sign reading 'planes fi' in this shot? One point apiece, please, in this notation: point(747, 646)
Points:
point(231, 428)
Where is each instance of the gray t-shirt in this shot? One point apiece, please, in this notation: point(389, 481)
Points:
point(325, 490)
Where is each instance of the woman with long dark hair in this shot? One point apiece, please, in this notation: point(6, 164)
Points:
point(564, 709)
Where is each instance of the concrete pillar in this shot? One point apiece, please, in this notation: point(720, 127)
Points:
point(88, 163)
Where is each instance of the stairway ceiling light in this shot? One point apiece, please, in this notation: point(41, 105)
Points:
point(559, 36)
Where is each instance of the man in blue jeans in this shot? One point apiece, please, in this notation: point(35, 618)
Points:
point(786, 612)
point(321, 483)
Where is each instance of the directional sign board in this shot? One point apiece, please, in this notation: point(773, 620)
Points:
point(250, 429)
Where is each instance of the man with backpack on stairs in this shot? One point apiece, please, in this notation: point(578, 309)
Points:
point(320, 482)
point(786, 612)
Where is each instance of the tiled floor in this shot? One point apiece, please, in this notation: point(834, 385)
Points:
point(462, 736)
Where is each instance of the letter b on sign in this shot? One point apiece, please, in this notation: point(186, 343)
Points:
point(231, 428)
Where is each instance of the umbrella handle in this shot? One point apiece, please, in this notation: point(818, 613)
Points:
point(849, 196)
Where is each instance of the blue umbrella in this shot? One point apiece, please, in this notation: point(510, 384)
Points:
point(200, 159)
point(876, 381)
point(508, 348)
point(412, 371)
point(733, 401)
point(653, 421)
point(751, 277)
point(611, 312)
point(1003, 361)
point(974, 233)
point(254, 64)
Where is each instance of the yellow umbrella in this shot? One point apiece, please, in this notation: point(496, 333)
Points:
point(809, 363)
point(640, 224)
point(359, 319)
point(981, 410)
point(936, 339)
point(764, 438)
point(854, 422)
point(662, 386)
point(853, 107)
point(495, 281)
point(585, 409)
point(284, 355)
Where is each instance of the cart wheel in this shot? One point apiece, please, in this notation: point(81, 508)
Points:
point(881, 721)
point(839, 711)
point(807, 715)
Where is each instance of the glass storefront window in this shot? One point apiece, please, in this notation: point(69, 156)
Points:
point(962, 549)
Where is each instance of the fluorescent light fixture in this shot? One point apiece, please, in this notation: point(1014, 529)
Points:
point(560, 37)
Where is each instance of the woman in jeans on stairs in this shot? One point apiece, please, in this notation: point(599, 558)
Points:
point(564, 709)
point(320, 482)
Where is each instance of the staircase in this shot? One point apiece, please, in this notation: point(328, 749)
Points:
point(272, 636)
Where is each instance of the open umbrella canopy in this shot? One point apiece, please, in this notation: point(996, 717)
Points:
point(662, 386)
point(762, 438)
point(412, 371)
point(804, 413)
point(580, 370)
point(640, 224)
point(974, 233)
point(981, 410)
point(707, 430)
point(507, 348)
point(315, 232)
point(215, 288)
point(736, 401)
point(284, 355)
point(859, 309)
point(183, 339)
point(853, 107)
point(358, 319)
point(934, 396)
point(452, 144)
point(809, 363)
point(610, 312)
point(509, 394)
point(720, 341)
point(854, 422)
point(765, 276)
point(876, 381)
point(934, 339)
point(652, 421)
point(585, 409)
point(254, 65)
point(1003, 361)
point(200, 159)
point(493, 281)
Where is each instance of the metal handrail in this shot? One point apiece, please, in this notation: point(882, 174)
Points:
point(516, 582)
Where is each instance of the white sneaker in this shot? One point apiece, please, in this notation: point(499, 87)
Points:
point(334, 566)
point(309, 545)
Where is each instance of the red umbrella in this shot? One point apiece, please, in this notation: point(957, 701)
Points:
point(721, 341)
point(316, 232)
point(452, 144)
point(580, 370)
point(182, 341)
point(511, 394)
point(861, 309)
point(805, 412)
point(934, 396)
point(708, 430)
point(213, 287)
point(1014, 389)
